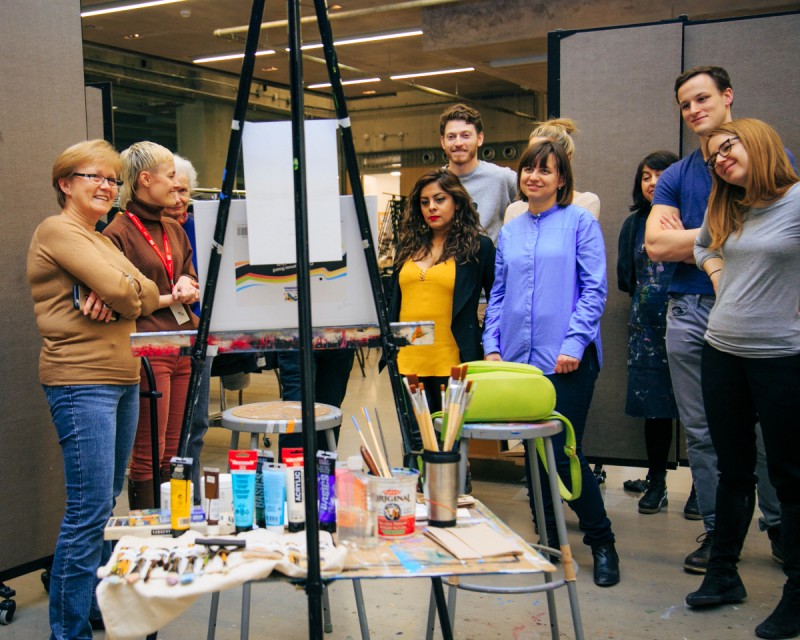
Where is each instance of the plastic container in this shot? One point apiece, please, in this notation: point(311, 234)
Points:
point(395, 502)
point(355, 524)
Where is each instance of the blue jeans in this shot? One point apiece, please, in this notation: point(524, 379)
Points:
point(573, 396)
point(96, 425)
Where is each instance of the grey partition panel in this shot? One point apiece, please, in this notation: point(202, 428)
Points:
point(762, 57)
point(617, 85)
point(42, 102)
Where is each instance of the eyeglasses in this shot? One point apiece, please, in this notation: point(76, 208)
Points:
point(96, 178)
point(723, 152)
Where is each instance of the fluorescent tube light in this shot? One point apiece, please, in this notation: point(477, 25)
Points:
point(440, 72)
point(322, 85)
point(114, 7)
point(363, 39)
point(231, 56)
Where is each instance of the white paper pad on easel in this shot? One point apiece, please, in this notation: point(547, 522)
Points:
point(269, 171)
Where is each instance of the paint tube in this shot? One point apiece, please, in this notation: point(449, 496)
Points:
point(243, 478)
point(296, 512)
point(326, 490)
point(265, 456)
point(211, 482)
point(180, 502)
point(274, 479)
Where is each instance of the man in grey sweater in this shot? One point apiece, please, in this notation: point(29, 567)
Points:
point(491, 187)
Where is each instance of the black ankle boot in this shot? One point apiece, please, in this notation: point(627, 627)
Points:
point(721, 584)
point(606, 564)
point(718, 588)
point(655, 498)
point(784, 622)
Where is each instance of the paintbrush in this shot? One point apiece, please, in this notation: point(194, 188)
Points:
point(457, 407)
point(464, 407)
point(360, 434)
point(369, 461)
point(450, 407)
point(426, 424)
point(383, 440)
point(381, 460)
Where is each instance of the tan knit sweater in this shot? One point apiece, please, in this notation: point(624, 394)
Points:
point(77, 350)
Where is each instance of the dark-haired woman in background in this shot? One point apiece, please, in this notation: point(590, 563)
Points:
point(443, 261)
point(650, 393)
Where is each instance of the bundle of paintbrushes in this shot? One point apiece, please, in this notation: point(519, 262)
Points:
point(422, 412)
point(377, 465)
point(455, 401)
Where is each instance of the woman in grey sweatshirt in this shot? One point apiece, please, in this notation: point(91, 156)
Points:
point(749, 245)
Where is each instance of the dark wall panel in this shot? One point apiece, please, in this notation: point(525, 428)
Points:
point(762, 57)
point(42, 102)
point(616, 84)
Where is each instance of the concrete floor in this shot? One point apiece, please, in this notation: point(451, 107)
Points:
point(646, 605)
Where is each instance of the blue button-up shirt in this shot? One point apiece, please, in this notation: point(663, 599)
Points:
point(549, 289)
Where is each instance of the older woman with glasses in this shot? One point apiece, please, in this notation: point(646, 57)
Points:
point(159, 247)
point(749, 245)
point(89, 376)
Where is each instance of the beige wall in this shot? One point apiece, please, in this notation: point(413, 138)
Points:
point(43, 107)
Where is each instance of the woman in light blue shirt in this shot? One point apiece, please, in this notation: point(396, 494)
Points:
point(545, 307)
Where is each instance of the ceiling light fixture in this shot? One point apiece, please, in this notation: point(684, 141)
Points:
point(115, 7)
point(323, 85)
point(231, 56)
point(362, 39)
point(422, 74)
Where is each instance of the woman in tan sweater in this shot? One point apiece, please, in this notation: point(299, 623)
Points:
point(89, 375)
point(158, 246)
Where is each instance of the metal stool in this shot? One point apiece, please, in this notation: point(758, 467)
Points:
point(278, 417)
point(525, 431)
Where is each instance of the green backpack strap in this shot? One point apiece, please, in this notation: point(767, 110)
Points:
point(572, 455)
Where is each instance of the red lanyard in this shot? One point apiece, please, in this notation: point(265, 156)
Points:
point(166, 257)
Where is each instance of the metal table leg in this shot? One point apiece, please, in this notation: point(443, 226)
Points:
point(566, 551)
point(362, 613)
point(212, 616)
point(540, 519)
point(327, 625)
point(245, 632)
point(441, 608)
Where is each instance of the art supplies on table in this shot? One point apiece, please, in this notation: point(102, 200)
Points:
point(474, 541)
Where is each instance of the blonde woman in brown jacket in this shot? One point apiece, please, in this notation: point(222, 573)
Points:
point(89, 375)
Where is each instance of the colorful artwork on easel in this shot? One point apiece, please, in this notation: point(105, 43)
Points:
point(253, 297)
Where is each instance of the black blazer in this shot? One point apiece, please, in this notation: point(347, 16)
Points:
point(626, 268)
point(471, 279)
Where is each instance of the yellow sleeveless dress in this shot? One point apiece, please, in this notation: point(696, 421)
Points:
point(427, 294)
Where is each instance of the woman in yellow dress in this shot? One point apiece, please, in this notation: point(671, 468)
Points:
point(443, 261)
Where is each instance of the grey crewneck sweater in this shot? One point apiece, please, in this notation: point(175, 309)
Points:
point(757, 312)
